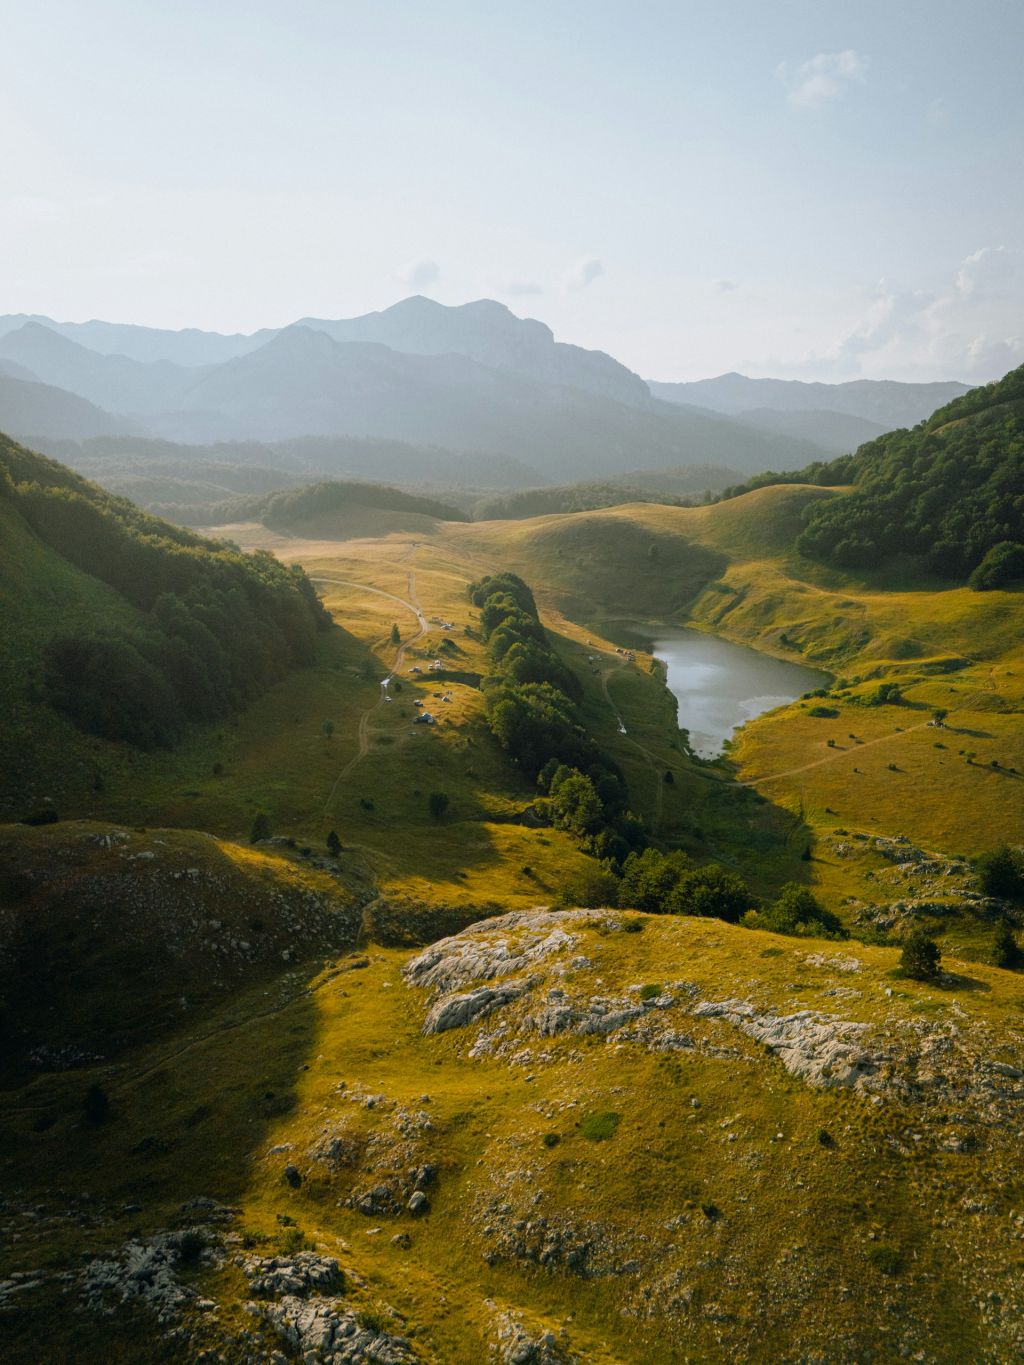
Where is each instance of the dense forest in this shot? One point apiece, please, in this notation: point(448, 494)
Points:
point(213, 627)
point(572, 497)
point(530, 701)
point(949, 491)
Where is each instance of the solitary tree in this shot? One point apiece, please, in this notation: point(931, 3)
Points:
point(437, 804)
point(1005, 952)
point(920, 957)
point(396, 639)
point(260, 828)
point(1001, 872)
point(96, 1105)
point(328, 728)
point(333, 843)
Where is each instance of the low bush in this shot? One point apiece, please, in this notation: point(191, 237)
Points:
point(920, 957)
point(600, 1127)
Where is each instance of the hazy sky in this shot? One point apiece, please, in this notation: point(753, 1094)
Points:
point(818, 189)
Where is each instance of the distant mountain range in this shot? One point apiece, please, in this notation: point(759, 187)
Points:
point(838, 417)
point(473, 378)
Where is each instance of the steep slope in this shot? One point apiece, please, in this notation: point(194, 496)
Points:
point(111, 937)
point(888, 402)
point(125, 626)
point(31, 409)
point(948, 491)
point(110, 381)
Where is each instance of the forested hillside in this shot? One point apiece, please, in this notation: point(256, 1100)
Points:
point(189, 630)
point(290, 505)
point(948, 491)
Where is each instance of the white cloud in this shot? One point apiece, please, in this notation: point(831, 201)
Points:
point(586, 270)
point(722, 286)
point(419, 274)
point(985, 274)
point(823, 78)
point(969, 329)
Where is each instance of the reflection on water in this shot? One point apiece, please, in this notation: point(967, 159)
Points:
point(720, 685)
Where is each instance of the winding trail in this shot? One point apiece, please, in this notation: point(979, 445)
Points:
point(834, 757)
point(869, 743)
point(410, 604)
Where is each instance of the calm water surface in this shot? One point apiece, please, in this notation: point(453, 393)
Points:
point(720, 685)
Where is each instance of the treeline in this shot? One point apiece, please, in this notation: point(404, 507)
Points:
point(215, 627)
point(673, 884)
point(950, 491)
point(299, 504)
point(686, 487)
point(573, 497)
point(531, 705)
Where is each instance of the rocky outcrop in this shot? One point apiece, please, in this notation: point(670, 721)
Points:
point(146, 1272)
point(505, 946)
point(518, 1344)
point(299, 1275)
point(322, 1332)
point(821, 1049)
point(456, 1011)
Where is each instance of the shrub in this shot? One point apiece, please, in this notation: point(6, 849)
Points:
point(825, 712)
point(374, 1320)
point(797, 912)
point(589, 886)
point(1005, 951)
point(650, 992)
point(1002, 565)
point(886, 1259)
point(600, 1127)
point(191, 1245)
point(885, 694)
point(333, 843)
point(632, 924)
point(438, 803)
point(920, 957)
point(1001, 873)
point(551, 1139)
point(293, 1239)
point(260, 828)
point(96, 1105)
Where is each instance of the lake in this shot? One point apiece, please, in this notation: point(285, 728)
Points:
point(720, 685)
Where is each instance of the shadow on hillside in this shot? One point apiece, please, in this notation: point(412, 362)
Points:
point(181, 1121)
point(954, 981)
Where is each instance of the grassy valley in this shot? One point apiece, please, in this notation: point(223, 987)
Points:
point(324, 1015)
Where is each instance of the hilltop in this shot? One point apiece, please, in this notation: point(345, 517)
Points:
point(590, 1135)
